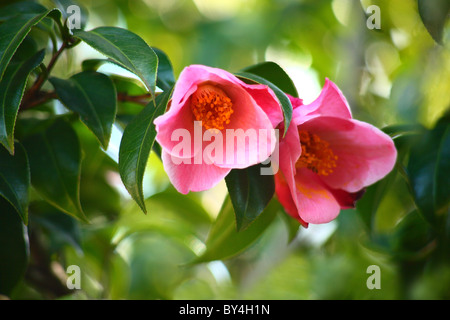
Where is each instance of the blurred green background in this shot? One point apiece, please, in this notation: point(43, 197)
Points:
point(395, 75)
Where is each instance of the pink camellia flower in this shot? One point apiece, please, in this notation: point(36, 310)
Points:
point(327, 158)
point(210, 125)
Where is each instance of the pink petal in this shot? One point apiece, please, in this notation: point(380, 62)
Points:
point(248, 119)
point(284, 196)
point(192, 177)
point(347, 200)
point(265, 98)
point(167, 125)
point(316, 204)
point(289, 153)
point(365, 153)
point(331, 102)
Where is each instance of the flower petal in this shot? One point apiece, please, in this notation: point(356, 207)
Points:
point(365, 153)
point(316, 204)
point(175, 126)
point(250, 137)
point(191, 177)
point(331, 102)
point(347, 200)
point(284, 195)
point(265, 98)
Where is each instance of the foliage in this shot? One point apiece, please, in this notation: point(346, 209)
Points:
point(78, 148)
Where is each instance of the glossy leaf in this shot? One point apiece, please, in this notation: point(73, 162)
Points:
point(185, 207)
point(61, 228)
point(250, 192)
point(434, 14)
point(412, 235)
point(22, 7)
point(285, 103)
point(14, 30)
point(368, 205)
point(55, 163)
point(135, 147)
point(12, 87)
point(14, 248)
point(428, 166)
point(274, 73)
point(15, 180)
point(93, 96)
point(224, 241)
point(165, 78)
point(126, 49)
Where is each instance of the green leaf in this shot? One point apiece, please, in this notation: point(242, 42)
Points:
point(224, 241)
point(22, 7)
point(250, 192)
point(126, 49)
point(15, 180)
point(93, 64)
point(368, 205)
point(14, 248)
point(55, 163)
point(434, 14)
point(137, 141)
point(14, 30)
point(182, 205)
point(165, 78)
point(62, 229)
point(428, 166)
point(12, 87)
point(412, 235)
point(285, 103)
point(274, 73)
point(93, 96)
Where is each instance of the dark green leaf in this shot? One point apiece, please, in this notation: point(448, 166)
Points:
point(224, 241)
point(93, 64)
point(285, 103)
point(55, 163)
point(22, 7)
point(12, 87)
point(14, 249)
point(165, 78)
point(428, 166)
point(14, 30)
point(368, 205)
point(250, 192)
point(93, 96)
point(274, 73)
point(135, 147)
point(61, 228)
point(411, 235)
point(126, 49)
point(434, 14)
point(15, 180)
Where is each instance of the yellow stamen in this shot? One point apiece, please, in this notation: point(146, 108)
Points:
point(316, 154)
point(211, 106)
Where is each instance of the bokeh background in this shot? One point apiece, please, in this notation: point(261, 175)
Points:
point(395, 75)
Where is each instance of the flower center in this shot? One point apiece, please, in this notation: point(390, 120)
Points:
point(316, 154)
point(211, 106)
